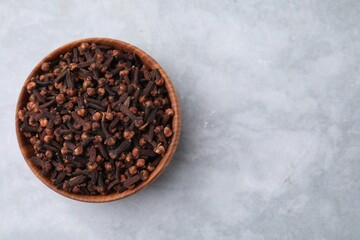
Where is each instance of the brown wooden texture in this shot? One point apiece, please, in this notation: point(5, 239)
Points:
point(28, 151)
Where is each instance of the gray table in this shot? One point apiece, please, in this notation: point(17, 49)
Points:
point(271, 123)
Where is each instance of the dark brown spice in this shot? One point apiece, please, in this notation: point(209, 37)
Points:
point(98, 119)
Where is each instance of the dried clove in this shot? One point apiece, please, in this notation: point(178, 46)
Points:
point(99, 120)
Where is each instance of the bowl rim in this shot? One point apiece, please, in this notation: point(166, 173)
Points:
point(27, 150)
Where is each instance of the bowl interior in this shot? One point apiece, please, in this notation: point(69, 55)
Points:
point(28, 151)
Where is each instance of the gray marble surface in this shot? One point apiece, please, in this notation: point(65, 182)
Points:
point(271, 124)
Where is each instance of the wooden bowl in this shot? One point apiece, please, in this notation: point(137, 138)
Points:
point(28, 151)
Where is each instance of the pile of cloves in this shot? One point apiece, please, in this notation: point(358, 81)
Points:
point(99, 120)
